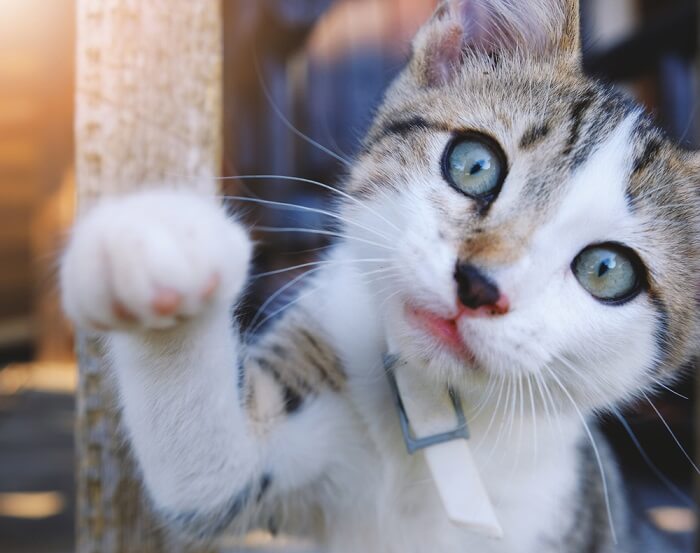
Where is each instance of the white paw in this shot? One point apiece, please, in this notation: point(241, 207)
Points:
point(151, 260)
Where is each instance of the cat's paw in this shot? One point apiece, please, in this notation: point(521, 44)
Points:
point(152, 260)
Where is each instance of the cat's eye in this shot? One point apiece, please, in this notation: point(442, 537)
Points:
point(475, 165)
point(609, 272)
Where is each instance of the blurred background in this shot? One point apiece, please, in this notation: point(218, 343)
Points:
point(320, 66)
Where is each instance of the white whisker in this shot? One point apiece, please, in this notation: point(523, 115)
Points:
point(596, 452)
point(282, 289)
point(645, 457)
point(501, 386)
point(490, 389)
point(296, 300)
point(298, 230)
point(668, 389)
point(314, 264)
point(291, 127)
point(315, 183)
point(286, 205)
point(673, 435)
point(534, 415)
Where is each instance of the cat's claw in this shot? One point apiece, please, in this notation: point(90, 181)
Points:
point(152, 260)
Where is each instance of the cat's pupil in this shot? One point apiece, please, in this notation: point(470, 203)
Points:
point(605, 266)
point(479, 166)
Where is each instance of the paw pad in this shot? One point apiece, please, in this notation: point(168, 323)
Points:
point(166, 302)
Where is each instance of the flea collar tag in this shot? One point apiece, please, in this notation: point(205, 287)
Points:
point(433, 423)
point(413, 443)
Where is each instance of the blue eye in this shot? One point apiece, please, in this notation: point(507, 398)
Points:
point(475, 165)
point(609, 272)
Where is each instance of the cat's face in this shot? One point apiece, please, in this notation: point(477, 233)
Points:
point(533, 223)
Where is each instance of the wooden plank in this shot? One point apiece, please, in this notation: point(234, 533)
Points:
point(149, 107)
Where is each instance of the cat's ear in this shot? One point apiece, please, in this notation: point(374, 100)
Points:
point(461, 27)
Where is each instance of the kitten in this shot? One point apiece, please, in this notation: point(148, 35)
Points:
point(523, 234)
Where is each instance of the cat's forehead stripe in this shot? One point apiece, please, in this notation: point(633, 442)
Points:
point(594, 115)
point(404, 125)
point(534, 135)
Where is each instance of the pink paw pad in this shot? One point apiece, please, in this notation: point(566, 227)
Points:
point(166, 302)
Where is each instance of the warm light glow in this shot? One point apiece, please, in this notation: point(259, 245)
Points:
point(676, 520)
point(39, 377)
point(260, 539)
point(33, 505)
point(17, 15)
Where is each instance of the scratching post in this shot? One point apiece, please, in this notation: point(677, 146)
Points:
point(148, 112)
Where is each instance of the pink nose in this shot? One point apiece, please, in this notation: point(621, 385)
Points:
point(501, 307)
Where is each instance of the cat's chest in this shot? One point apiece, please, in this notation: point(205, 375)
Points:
point(389, 501)
point(394, 506)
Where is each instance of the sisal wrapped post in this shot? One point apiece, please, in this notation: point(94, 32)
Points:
point(149, 105)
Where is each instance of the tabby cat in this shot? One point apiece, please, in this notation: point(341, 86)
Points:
point(523, 234)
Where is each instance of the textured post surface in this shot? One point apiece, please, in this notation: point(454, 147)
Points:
point(148, 112)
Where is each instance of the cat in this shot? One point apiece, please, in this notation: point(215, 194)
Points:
point(522, 234)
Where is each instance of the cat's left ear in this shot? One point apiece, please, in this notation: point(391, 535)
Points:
point(487, 27)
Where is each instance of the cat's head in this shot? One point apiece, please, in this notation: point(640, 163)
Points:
point(533, 222)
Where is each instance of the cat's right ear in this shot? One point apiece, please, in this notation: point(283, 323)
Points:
point(486, 27)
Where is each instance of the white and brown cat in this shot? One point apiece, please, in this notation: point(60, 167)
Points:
point(523, 234)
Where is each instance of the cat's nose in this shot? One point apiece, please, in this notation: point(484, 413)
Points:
point(478, 293)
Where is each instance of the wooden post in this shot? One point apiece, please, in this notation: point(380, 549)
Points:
point(148, 111)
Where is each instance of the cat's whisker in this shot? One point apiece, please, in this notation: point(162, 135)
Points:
point(512, 409)
point(378, 271)
point(388, 276)
point(295, 280)
point(596, 452)
point(308, 209)
point(669, 389)
point(315, 183)
point(277, 312)
point(501, 386)
point(490, 388)
point(652, 466)
point(279, 292)
point(503, 420)
point(547, 400)
point(485, 399)
point(290, 126)
point(534, 416)
point(521, 422)
point(673, 435)
point(300, 230)
point(389, 298)
point(317, 250)
point(317, 263)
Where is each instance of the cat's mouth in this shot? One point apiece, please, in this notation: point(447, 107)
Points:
point(444, 330)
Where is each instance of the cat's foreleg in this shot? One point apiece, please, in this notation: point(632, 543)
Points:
point(158, 273)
